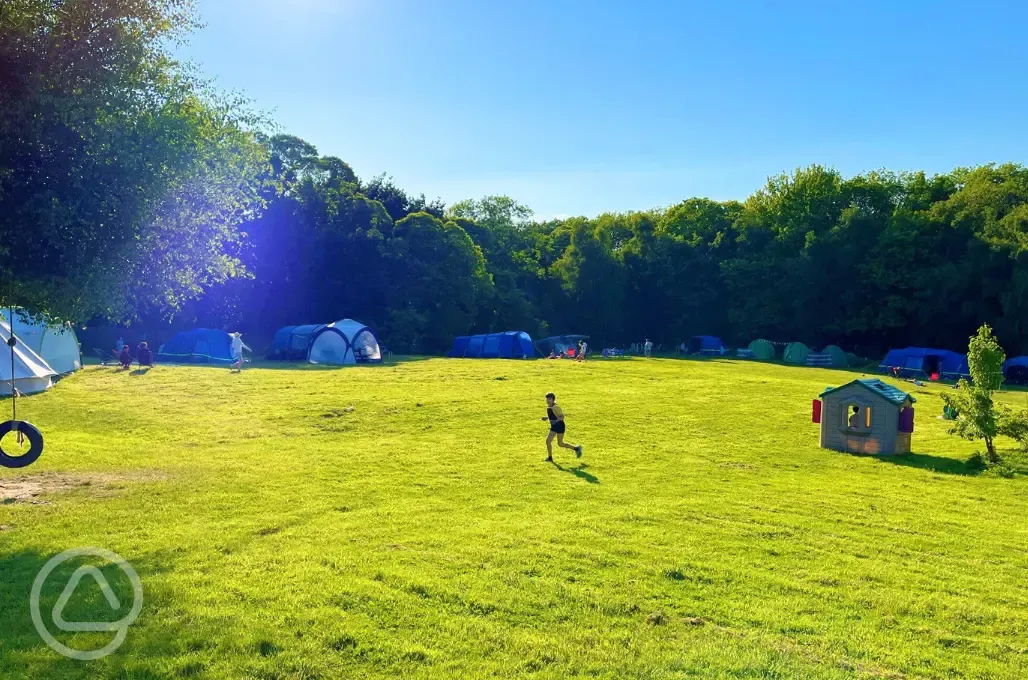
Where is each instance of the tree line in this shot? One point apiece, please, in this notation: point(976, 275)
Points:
point(130, 190)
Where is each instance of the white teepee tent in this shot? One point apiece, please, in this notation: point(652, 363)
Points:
point(31, 373)
point(58, 345)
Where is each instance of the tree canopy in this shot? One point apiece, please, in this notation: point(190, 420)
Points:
point(130, 189)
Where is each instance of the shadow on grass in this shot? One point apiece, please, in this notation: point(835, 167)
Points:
point(305, 366)
point(141, 371)
point(578, 471)
point(939, 464)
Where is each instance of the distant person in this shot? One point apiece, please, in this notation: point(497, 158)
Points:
point(855, 418)
point(682, 348)
point(119, 345)
point(553, 355)
point(557, 428)
point(143, 354)
point(237, 350)
point(125, 357)
point(648, 348)
point(581, 351)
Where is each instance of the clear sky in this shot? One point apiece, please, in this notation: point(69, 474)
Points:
point(577, 107)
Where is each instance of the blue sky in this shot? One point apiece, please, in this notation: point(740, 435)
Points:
point(577, 108)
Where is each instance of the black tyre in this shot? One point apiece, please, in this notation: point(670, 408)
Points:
point(35, 444)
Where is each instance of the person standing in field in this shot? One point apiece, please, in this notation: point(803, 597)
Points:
point(237, 350)
point(648, 348)
point(557, 429)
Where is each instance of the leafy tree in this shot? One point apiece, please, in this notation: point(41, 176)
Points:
point(122, 180)
point(978, 417)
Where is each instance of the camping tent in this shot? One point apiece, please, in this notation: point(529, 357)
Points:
point(925, 361)
point(31, 373)
point(293, 343)
point(796, 353)
point(763, 350)
point(1016, 370)
point(558, 343)
point(699, 344)
point(344, 343)
point(56, 344)
point(198, 346)
point(508, 345)
point(837, 354)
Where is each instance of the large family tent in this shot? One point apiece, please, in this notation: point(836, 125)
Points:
point(56, 344)
point(198, 346)
point(31, 373)
point(925, 362)
point(293, 343)
point(344, 343)
point(796, 353)
point(705, 344)
point(559, 343)
point(509, 345)
point(763, 350)
point(1016, 370)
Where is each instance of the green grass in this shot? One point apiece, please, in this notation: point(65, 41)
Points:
point(704, 534)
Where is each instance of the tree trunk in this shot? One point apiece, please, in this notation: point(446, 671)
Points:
point(993, 458)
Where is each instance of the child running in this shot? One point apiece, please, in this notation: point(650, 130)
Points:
point(557, 428)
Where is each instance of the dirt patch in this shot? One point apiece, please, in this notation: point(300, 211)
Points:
point(33, 488)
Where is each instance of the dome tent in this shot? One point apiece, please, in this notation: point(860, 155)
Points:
point(762, 349)
point(837, 354)
point(558, 343)
point(56, 344)
point(1015, 370)
point(925, 361)
point(293, 343)
point(699, 344)
point(31, 373)
point(344, 343)
point(198, 346)
point(796, 353)
point(509, 345)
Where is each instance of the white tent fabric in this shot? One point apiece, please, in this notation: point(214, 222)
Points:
point(31, 373)
point(57, 344)
point(344, 343)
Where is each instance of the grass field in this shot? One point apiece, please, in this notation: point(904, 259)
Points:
point(280, 533)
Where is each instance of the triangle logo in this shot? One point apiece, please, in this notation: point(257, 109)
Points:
point(69, 590)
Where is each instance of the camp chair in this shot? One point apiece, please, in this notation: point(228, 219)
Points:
point(106, 357)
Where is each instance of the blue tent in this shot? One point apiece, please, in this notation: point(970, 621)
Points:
point(293, 343)
point(198, 346)
point(1016, 370)
point(460, 346)
point(698, 344)
point(509, 345)
point(925, 361)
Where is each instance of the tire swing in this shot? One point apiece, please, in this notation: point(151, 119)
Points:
point(24, 430)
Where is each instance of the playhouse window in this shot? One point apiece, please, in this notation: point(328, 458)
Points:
point(861, 420)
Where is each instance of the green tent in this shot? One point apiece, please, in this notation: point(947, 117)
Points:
point(762, 349)
point(796, 353)
point(839, 359)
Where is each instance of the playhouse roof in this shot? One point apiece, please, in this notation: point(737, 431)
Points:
point(882, 389)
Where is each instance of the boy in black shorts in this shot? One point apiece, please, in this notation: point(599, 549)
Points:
point(557, 428)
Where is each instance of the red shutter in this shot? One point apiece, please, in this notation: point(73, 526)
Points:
point(817, 411)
